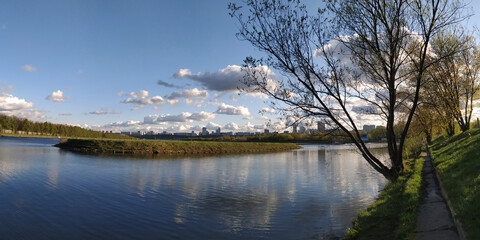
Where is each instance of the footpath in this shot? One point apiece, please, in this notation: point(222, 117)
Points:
point(434, 220)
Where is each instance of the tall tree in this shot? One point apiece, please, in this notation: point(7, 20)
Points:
point(353, 57)
point(453, 83)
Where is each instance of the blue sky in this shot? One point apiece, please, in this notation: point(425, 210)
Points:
point(98, 63)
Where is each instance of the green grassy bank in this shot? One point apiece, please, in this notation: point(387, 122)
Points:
point(26, 135)
point(394, 214)
point(170, 147)
point(457, 160)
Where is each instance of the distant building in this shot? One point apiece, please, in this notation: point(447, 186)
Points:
point(320, 126)
point(368, 128)
point(266, 131)
point(243, 134)
point(125, 133)
point(204, 131)
point(218, 131)
point(285, 131)
point(364, 137)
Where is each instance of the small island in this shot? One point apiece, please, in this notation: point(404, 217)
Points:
point(170, 147)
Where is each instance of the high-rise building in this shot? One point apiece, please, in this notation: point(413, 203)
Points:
point(204, 131)
point(368, 128)
point(320, 126)
point(266, 131)
point(218, 131)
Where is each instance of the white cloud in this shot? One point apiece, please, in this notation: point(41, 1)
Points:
point(29, 68)
point(104, 111)
point(140, 99)
point(11, 103)
point(233, 98)
point(172, 101)
point(180, 118)
point(80, 71)
point(190, 94)
point(57, 96)
point(232, 110)
point(31, 114)
point(231, 126)
point(198, 103)
point(64, 114)
point(13, 106)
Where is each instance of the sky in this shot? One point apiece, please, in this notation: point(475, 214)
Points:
point(128, 65)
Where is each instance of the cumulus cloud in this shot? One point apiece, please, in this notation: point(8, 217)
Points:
point(198, 103)
point(172, 101)
point(128, 123)
point(190, 94)
point(11, 103)
point(31, 114)
point(104, 111)
point(13, 106)
point(141, 99)
point(29, 68)
point(184, 117)
point(57, 96)
point(231, 126)
point(228, 79)
point(232, 110)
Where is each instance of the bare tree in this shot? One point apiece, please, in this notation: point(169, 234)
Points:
point(353, 57)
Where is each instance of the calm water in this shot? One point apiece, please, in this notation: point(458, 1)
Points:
point(47, 193)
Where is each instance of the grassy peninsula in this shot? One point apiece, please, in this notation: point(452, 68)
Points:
point(457, 160)
point(394, 214)
point(169, 147)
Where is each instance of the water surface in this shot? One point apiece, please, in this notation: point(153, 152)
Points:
point(48, 193)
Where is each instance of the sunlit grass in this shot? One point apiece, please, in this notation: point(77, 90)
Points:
point(394, 214)
point(457, 160)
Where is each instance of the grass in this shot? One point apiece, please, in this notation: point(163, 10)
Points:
point(457, 160)
point(170, 147)
point(26, 135)
point(394, 214)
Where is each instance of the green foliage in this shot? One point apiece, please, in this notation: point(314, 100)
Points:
point(457, 162)
point(378, 133)
point(24, 127)
point(170, 147)
point(394, 214)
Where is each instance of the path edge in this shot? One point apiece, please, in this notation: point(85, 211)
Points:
point(456, 221)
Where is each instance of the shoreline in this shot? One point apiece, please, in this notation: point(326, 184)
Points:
point(159, 147)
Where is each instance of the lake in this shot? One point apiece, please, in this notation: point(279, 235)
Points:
point(313, 193)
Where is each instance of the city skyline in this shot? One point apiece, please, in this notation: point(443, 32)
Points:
point(143, 66)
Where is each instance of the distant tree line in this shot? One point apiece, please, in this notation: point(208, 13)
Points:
point(27, 127)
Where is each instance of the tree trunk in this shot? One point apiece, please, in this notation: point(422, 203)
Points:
point(451, 129)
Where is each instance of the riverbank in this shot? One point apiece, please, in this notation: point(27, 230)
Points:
point(394, 214)
point(169, 147)
point(26, 135)
point(456, 159)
